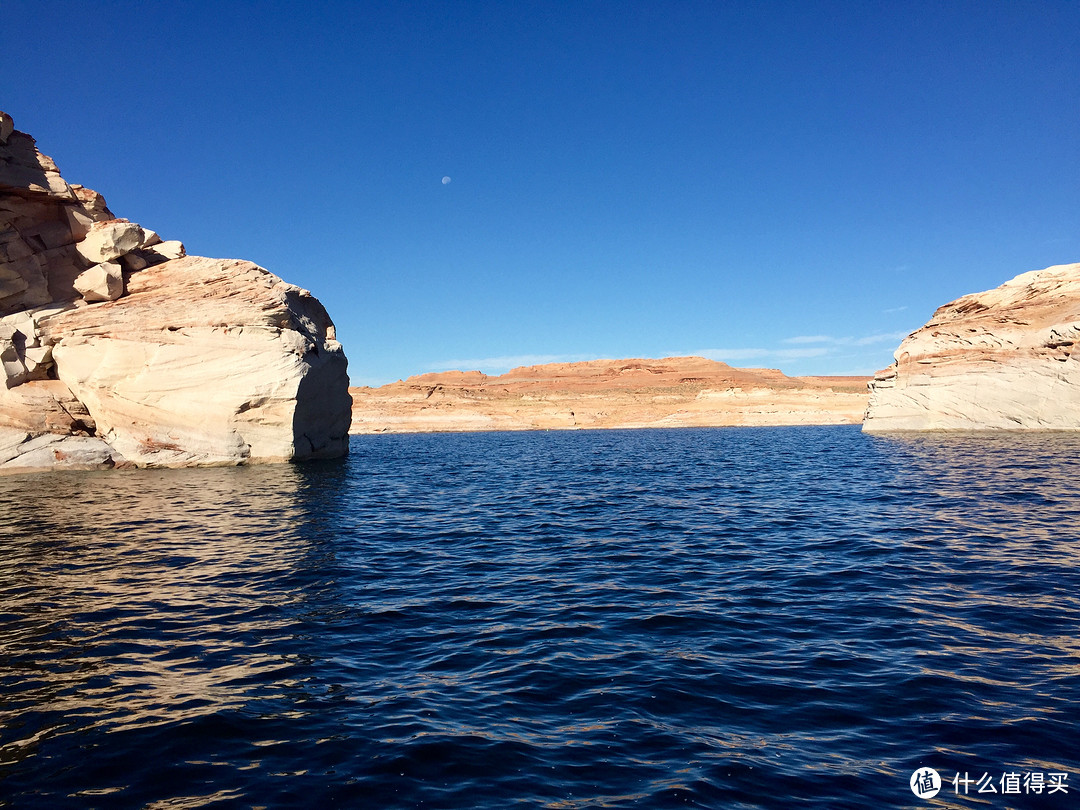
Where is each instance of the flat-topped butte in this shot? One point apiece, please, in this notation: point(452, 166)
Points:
point(634, 393)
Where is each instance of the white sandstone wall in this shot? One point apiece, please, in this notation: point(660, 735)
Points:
point(110, 336)
point(1000, 359)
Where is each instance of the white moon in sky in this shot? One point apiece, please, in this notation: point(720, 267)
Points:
point(445, 180)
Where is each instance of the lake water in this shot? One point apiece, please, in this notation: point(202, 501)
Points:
point(734, 617)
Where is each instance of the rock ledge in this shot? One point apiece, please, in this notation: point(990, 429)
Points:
point(1002, 359)
point(119, 350)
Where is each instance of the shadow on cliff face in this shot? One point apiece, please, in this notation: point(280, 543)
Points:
point(323, 411)
point(323, 408)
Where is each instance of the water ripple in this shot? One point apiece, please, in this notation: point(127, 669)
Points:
point(704, 618)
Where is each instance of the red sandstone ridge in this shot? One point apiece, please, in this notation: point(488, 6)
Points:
point(672, 392)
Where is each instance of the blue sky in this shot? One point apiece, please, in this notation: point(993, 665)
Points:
point(784, 184)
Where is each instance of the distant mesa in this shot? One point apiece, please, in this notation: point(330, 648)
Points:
point(120, 350)
point(633, 393)
point(1003, 359)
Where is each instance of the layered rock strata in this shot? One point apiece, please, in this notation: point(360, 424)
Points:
point(119, 350)
point(1002, 359)
point(673, 392)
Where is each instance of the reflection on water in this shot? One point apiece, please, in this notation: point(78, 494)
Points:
point(137, 599)
point(732, 617)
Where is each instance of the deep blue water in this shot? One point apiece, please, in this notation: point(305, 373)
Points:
point(736, 617)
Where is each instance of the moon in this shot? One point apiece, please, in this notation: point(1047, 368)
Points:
point(445, 180)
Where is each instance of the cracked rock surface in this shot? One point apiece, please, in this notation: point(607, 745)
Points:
point(119, 350)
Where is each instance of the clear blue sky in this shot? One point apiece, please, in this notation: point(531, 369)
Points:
point(784, 184)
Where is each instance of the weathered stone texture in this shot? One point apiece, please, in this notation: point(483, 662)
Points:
point(1001, 359)
point(118, 350)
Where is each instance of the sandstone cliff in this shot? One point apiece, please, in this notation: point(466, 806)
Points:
point(673, 392)
point(1001, 359)
point(119, 350)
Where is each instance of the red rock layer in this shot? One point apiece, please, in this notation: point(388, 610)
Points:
point(672, 392)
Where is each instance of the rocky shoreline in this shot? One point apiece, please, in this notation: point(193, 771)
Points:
point(119, 350)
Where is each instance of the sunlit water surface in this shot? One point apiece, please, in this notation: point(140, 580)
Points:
point(785, 617)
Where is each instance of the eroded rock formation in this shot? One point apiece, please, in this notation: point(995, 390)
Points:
point(1001, 359)
point(673, 392)
point(118, 350)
